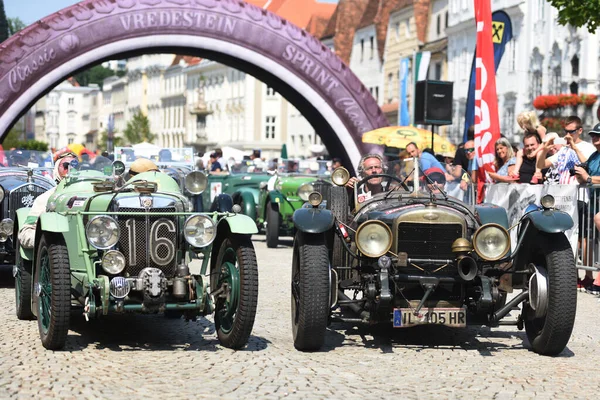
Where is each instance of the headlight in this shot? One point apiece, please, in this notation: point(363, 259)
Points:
point(340, 176)
point(7, 226)
point(373, 238)
point(548, 201)
point(102, 232)
point(305, 190)
point(315, 198)
point(196, 182)
point(113, 262)
point(491, 242)
point(199, 230)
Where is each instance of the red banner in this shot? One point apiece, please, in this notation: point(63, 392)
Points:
point(487, 127)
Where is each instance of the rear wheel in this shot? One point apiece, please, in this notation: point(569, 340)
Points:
point(310, 291)
point(237, 291)
point(53, 283)
point(272, 226)
point(550, 315)
point(22, 273)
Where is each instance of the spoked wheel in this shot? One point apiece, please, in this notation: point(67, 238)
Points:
point(272, 226)
point(310, 291)
point(236, 290)
point(549, 315)
point(53, 288)
point(22, 274)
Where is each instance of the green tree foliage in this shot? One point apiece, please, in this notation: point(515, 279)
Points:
point(4, 34)
point(96, 75)
point(15, 25)
point(12, 140)
point(578, 13)
point(103, 141)
point(138, 130)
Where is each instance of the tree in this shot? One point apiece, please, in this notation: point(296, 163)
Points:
point(138, 130)
point(4, 33)
point(578, 13)
point(15, 25)
point(96, 75)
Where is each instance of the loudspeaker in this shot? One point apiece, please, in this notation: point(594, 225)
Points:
point(433, 103)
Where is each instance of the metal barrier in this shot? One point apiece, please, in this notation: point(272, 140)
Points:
point(588, 205)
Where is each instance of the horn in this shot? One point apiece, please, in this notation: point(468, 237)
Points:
point(467, 268)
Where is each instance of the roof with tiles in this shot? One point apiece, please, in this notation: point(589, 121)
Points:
point(300, 12)
point(189, 60)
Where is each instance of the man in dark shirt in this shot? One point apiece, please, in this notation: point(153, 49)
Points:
point(527, 171)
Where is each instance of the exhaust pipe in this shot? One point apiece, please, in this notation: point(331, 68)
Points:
point(467, 268)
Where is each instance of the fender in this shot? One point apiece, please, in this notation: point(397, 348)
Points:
point(241, 223)
point(248, 204)
point(22, 213)
point(222, 203)
point(313, 220)
point(53, 222)
point(276, 197)
point(550, 221)
point(491, 213)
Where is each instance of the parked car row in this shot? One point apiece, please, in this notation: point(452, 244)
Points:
point(178, 242)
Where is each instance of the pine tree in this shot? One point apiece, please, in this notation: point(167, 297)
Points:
point(4, 34)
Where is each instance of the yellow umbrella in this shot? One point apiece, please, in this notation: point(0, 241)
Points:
point(401, 136)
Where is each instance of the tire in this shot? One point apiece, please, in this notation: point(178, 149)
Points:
point(52, 272)
point(235, 311)
point(22, 285)
point(272, 231)
point(550, 334)
point(310, 291)
point(338, 204)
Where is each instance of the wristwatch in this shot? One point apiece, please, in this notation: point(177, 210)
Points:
point(589, 180)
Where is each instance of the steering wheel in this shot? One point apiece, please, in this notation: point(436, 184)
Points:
point(383, 176)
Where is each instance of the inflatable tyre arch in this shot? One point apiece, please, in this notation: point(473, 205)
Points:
point(244, 36)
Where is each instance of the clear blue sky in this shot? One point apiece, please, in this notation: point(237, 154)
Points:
point(30, 11)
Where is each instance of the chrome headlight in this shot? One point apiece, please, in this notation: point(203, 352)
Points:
point(196, 182)
point(491, 242)
point(102, 232)
point(199, 230)
point(113, 262)
point(305, 190)
point(6, 226)
point(373, 238)
point(340, 176)
point(315, 198)
point(547, 201)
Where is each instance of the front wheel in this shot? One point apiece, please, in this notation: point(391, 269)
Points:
point(236, 289)
point(549, 328)
point(272, 232)
point(53, 288)
point(310, 291)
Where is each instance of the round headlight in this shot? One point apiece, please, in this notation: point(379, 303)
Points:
point(113, 262)
point(102, 232)
point(373, 238)
point(491, 242)
point(340, 176)
point(199, 230)
point(547, 201)
point(305, 190)
point(196, 182)
point(7, 225)
point(3, 237)
point(315, 198)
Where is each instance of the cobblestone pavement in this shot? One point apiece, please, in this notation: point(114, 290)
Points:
point(138, 356)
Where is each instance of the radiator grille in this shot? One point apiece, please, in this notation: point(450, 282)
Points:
point(140, 228)
point(21, 197)
point(428, 240)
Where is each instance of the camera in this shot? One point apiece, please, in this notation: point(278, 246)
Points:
point(582, 165)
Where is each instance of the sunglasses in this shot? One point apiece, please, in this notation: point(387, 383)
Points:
point(571, 131)
point(65, 164)
point(469, 150)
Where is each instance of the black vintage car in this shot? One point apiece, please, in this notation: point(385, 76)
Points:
point(24, 175)
point(421, 252)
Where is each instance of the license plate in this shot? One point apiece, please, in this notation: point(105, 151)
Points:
point(455, 317)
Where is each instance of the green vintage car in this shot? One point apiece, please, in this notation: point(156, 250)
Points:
point(242, 182)
point(109, 246)
point(286, 191)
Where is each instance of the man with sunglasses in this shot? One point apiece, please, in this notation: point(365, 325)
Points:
point(61, 169)
point(573, 131)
